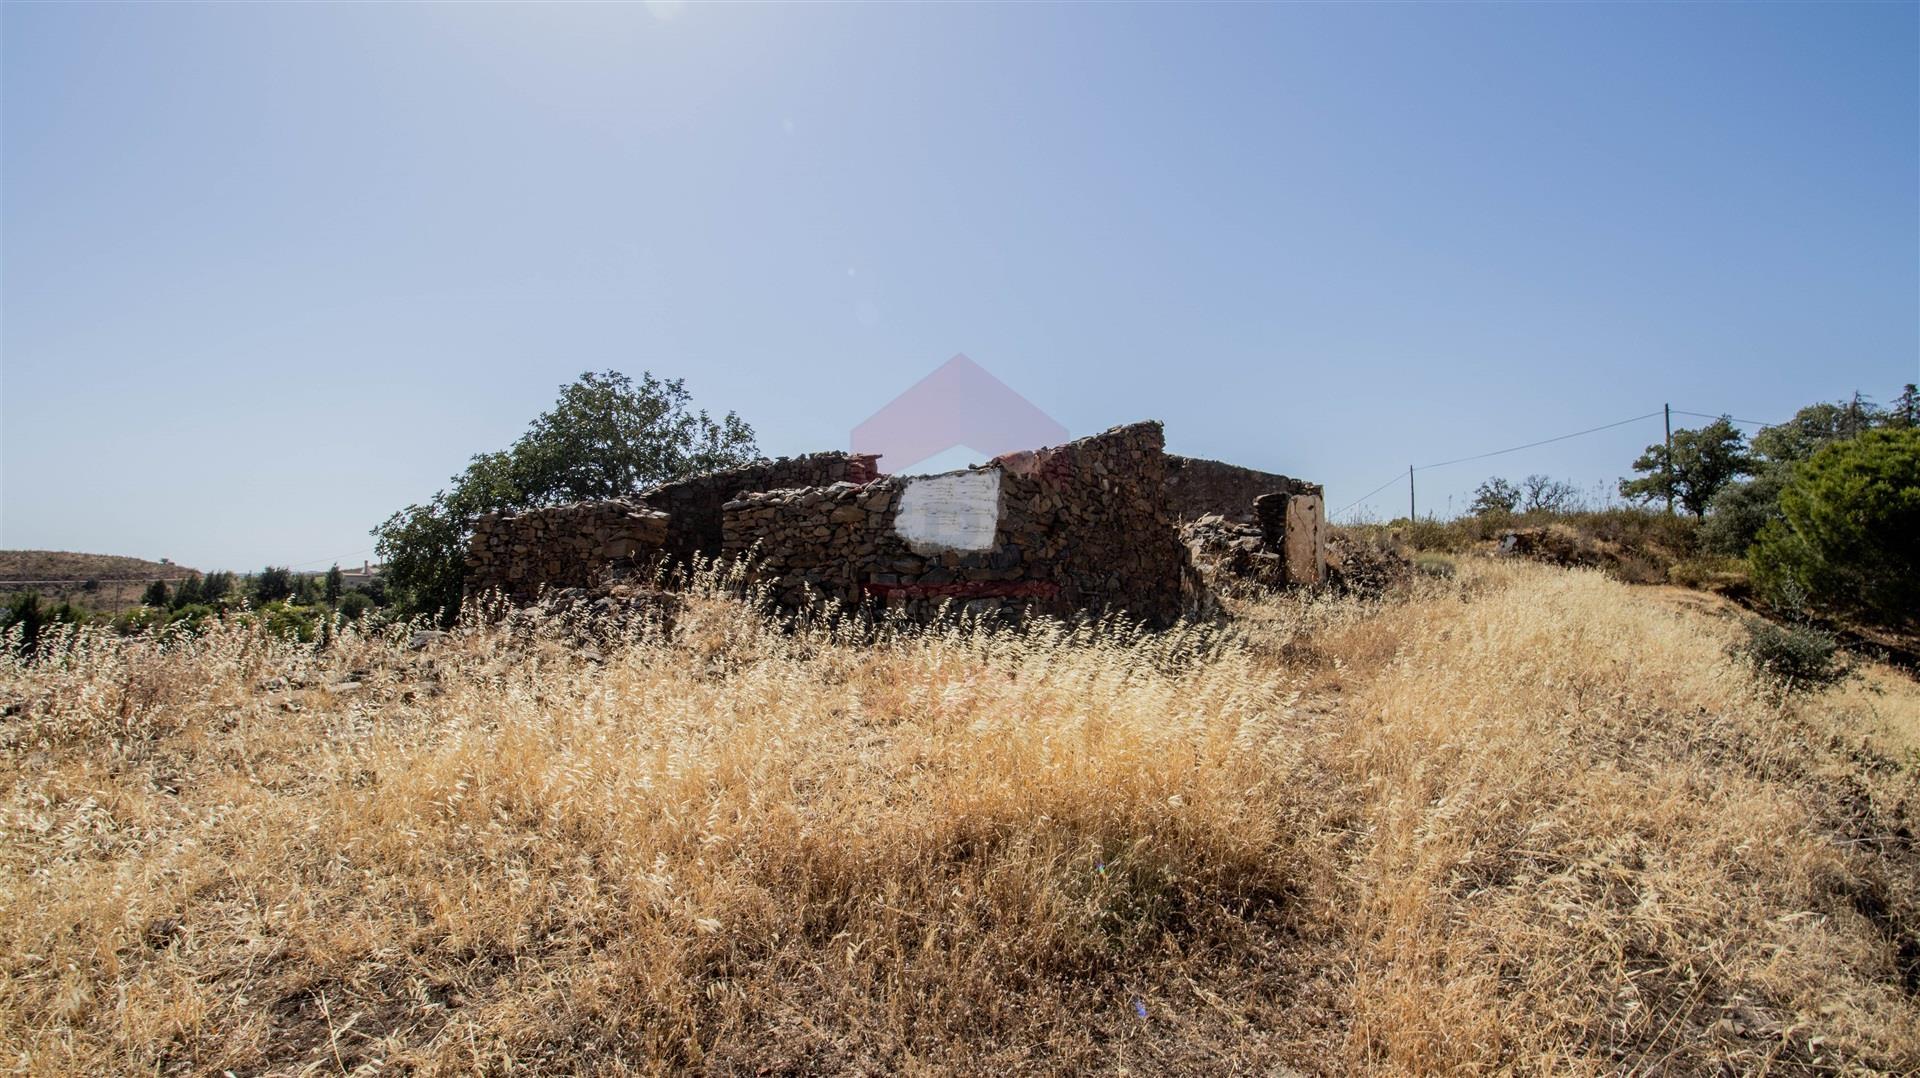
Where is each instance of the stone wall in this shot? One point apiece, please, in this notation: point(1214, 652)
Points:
point(1294, 526)
point(1085, 527)
point(1082, 527)
point(1197, 487)
point(694, 504)
point(518, 554)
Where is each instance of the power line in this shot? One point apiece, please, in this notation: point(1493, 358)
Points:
point(1369, 494)
point(333, 560)
point(1543, 441)
point(1728, 418)
point(1518, 448)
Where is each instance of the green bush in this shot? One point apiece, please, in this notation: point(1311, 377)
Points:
point(140, 620)
point(191, 617)
point(1847, 537)
point(273, 583)
point(30, 617)
point(354, 605)
point(291, 622)
point(1738, 514)
point(1796, 658)
point(1429, 534)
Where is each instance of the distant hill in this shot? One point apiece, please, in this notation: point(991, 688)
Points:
point(69, 565)
point(97, 581)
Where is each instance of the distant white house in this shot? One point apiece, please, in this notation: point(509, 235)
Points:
point(361, 577)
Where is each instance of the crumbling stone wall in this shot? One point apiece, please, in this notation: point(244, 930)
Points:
point(573, 545)
point(566, 546)
point(694, 504)
point(1082, 527)
point(1089, 526)
point(1197, 487)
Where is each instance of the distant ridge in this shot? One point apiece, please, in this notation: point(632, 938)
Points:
point(36, 566)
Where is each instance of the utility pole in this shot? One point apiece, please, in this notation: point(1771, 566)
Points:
point(1411, 515)
point(1668, 408)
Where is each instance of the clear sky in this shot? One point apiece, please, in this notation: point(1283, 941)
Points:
point(273, 271)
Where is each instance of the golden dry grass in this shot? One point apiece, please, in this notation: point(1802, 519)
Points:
point(1526, 820)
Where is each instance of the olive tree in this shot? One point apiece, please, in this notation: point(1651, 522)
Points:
point(607, 436)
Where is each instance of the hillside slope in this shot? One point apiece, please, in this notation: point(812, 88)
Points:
point(1527, 819)
point(94, 581)
point(41, 565)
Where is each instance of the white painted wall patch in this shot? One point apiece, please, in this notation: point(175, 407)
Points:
point(950, 512)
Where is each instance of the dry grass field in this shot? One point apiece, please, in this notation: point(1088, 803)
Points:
point(1525, 819)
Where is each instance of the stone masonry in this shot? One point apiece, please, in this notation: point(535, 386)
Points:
point(572, 545)
point(695, 503)
point(1091, 526)
point(1197, 487)
point(569, 546)
point(1082, 527)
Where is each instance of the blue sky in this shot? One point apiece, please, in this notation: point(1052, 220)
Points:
point(269, 272)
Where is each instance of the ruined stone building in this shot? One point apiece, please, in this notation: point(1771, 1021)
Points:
point(1092, 526)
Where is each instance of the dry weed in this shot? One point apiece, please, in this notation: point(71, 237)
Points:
point(1522, 820)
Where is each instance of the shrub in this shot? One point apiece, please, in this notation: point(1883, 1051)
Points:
point(1738, 513)
point(354, 604)
point(289, 622)
point(274, 582)
point(27, 615)
point(1709, 572)
point(140, 620)
point(1796, 657)
point(1848, 535)
point(1429, 563)
point(192, 617)
point(1435, 535)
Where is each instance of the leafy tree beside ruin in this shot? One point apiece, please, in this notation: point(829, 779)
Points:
point(607, 436)
point(1701, 463)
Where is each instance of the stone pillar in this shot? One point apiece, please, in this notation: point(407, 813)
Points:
point(1294, 526)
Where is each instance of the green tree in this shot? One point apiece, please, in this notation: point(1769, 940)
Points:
point(215, 586)
point(27, 615)
point(156, 594)
point(606, 436)
point(1494, 497)
point(1906, 408)
point(335, 585)
point(188, 592)
point(307, 589)
point(1740, 510)
point(1814, 426)
point(354, 604)
point(1544, 494)
point(1702, 462)
point(273, 584)
point(1848, 535)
